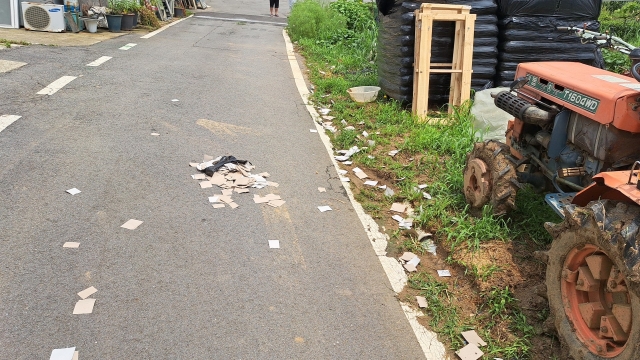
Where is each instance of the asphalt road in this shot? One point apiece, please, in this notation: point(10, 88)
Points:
point(192, 282)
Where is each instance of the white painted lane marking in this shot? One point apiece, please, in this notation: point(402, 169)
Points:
point(153, 33)
point(100, 61)
point(6, 120)
point(56, 85)
point(6, 65)
point(428, 340)
point(128, 46)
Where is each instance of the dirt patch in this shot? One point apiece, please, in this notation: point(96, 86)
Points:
point(492, 265)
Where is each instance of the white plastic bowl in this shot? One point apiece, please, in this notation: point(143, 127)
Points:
point(363, 94)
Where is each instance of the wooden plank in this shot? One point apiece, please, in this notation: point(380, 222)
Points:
point(416, 57)
point(441, 64)
point(72, 24)
point(422, 101)
point(454, 86)
point(445, 71)
point(467, 62)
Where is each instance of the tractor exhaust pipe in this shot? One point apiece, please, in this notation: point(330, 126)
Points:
point(522, 109)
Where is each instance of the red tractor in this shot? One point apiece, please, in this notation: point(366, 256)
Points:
point(576, 130)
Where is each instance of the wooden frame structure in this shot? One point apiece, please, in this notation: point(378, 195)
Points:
point(460, 68)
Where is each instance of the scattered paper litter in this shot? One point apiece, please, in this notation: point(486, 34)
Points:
point(87, 292)
point(241, 191)
point(225, 199)
point(383, 187)
point(328, 118)
point(198, 176)
point(348, 162)
point(321, 189)
point(342, 172)
point(407, 256)
point(443, 273)
point(205, 184)
point(227, 192)
point(207, 158)
point(344, 122)
point(361, 175)
point(365, 134)
point(349, 127)
point(422, 302)
point(84, 306)
point(346, 154)
point(324, 208)
point(398, 207)
point(155, 134)
point(193, 164)
point(397, 218)
point(62, 354)
point(371, 182)
point(393, 153)
point(356, 170)
point(273, 184)
point(276, 203)
point(473, 338)
point(233, 205)
point(71, 245)
point(313, 130)
point(272, 197)
point(388, 192)
point(344, 179)
point(75, 355)
point(175, 100)
point(132, 224)
point(259, 200)
point(73, 191)
point(410, 268)
point(415, 261)
point(274, 244)
point(217, 206)
point(422, 186)
point(214, 199)
point(470, 352)
point(426, 195)
point(324, 111)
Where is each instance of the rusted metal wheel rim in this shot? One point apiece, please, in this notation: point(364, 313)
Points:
point(596, 300)
point(476, 182)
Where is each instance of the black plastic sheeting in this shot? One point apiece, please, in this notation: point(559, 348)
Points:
point(396, 48)
point(532, 39)
point(577, 9)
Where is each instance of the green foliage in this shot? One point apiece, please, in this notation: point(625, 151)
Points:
point(149, 18)
point(117, 7)
point(620, 19)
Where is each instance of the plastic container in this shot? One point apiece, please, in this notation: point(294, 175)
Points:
point(91, 25)
point(363, 94)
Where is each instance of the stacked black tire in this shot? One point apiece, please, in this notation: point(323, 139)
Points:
point(396, 48)
point(528, 33)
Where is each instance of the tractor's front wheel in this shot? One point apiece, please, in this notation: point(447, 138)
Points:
point(490, 178)
point(592, 281)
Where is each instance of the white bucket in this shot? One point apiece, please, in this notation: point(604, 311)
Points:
point(363, 94)
point(91, 25)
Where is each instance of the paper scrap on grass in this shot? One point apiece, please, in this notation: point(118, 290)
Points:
point(274, 244)
point(356, 170)
point(132, 224)
point(87, 292)
point(470, 352)
point(348, 162)
point(84, 306)
point(426, 195)
point(343, 179)
point(398, 207)
point(346, 154)
point(422, 302)
point(415, 261)
point(393, 153)
point(321, 189)
point(73, 191)
point(198, 176)
point(422, 186)
point(473, 338)
point(410, 268)
point(74, 245)
point(407, 256)
point(365, 134)
point(342, 172)
point(371, 182)
point(324, 208)
point(324, 111)
point(443, 273)
point(62, 354)
point(217, 206)
point(205, 184)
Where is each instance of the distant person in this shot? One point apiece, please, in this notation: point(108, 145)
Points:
point(273, 7)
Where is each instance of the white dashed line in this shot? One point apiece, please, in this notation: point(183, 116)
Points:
point(99, 61)
point(128, 46)
point(163, 28)
point(56, 85)
point(6, 120)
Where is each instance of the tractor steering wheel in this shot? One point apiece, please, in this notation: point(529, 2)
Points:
point(634, 71)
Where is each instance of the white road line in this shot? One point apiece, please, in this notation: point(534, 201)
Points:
point(153, 33)
point(242, 20)
point(428, 340)
point(56, 85)
point(128, 46)
point(100, 61)
point(6, 120)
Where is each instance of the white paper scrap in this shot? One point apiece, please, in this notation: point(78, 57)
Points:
point(132, 224)
point(415, 261)
point(321, 189)
point(393, 153)
point(324, 111)
point(73, 191)
point(397, 218)
point(342, 172)
point(74, 245)
point(443, 273)
point(75, 355)
point(205, 184)
point(349, 162)
point(214, 199)
point(398, 207)
point(356, 170)
point(155, 134)
point(410, 268)
point(198, 176)
point(324, 208)
point(343, 179)
point(274, 244)
point(87, 292)
point(422, 186)
point(470, 352)
point(365, 134)
point(217, 206)
point(175, 100)
point(426, 195)
point(84, 306)
point(313, 130)
point(473, 338)
point(422, 302)
point(62, 354)
point(371, 182)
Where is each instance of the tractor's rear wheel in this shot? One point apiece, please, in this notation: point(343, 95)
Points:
point(593, 280)
point(490, 178)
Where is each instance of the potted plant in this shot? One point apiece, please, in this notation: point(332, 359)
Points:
point(127, 14)
point(114, 17)
point(178, 9)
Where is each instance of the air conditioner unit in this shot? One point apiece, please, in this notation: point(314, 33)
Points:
point(43, 17)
